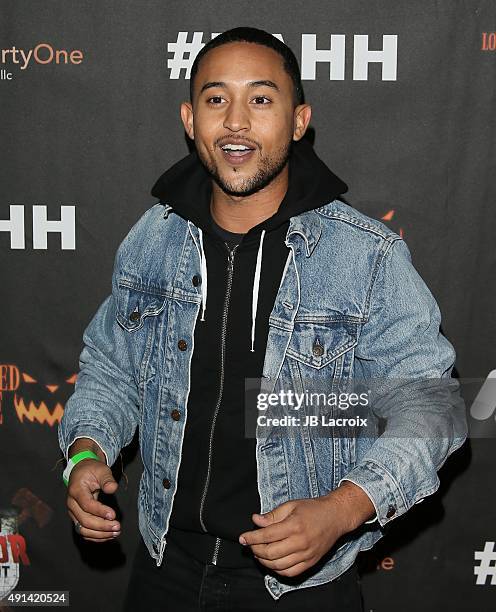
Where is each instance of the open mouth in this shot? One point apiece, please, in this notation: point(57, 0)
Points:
point(237, 154)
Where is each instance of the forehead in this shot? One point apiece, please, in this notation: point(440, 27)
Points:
point(238, 62)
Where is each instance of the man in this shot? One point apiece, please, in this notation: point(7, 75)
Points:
point(302, 290)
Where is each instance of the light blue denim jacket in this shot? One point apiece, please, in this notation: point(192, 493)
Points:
point(348, 280)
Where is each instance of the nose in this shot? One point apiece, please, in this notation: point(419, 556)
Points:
point(237, 117)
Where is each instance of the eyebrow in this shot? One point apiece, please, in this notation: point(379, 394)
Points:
point(251, 84)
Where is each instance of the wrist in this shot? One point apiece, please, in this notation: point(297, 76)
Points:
point(355, 506)
point(82, 444)
point(74, 460)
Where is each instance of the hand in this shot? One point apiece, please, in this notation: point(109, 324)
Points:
point(87, 478)
point(296, 534)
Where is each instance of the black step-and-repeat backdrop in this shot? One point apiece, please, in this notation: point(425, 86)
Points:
point(403, 97)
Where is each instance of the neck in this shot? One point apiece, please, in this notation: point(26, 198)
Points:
point(239, 214)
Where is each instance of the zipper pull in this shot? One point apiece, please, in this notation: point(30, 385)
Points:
point(231, 254)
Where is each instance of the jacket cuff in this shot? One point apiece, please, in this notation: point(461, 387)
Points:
point(381, 487)
point(96, 431)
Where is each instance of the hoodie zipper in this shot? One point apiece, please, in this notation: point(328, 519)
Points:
point(230, 270)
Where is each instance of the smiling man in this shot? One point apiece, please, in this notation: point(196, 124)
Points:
point(302, 289)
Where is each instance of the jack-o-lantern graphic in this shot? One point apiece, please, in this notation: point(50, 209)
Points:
point(395, 218)
point(388, 218)
point(34, 401)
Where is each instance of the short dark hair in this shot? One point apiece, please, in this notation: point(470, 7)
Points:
point(260, 37)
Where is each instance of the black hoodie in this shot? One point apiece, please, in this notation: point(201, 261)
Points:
point(217, 482)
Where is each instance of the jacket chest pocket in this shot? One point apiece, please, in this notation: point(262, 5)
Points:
point(321, 364)
point(320, 354)
point(322, 345)
point(139, 311)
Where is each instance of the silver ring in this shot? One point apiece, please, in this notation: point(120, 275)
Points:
point(77, 527)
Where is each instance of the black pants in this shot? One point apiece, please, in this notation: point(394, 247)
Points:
point(183, 584)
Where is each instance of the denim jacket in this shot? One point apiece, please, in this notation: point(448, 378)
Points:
point(349, 281)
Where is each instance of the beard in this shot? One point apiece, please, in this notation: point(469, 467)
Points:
point(269, 167)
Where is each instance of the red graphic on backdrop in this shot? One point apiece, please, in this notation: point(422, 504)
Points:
point(17, 546)
point(488, 41)
point(31, 507)
point(389, 217)
point(13, 546)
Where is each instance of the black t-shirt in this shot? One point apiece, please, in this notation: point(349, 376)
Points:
point(231, 238)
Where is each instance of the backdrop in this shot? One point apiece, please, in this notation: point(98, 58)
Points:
point(403, 98)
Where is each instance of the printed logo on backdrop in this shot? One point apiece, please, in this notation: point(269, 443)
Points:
point(12, 551)
point(486, 568)
point(33, 401)
point(332, 53)
point(15, 226)
point(488, 42)
point(483, 407)
point(13, 60)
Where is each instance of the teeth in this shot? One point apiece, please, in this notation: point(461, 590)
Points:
point(233, 147)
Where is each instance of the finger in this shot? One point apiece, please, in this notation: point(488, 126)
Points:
point(295, 570)
point(276, 514)
point(268, 518)
point(99, 540)
point(94, 536)
point(272, 533)
point(283, 563)
point(277, 550)
point(89, 520)
point(103, 536)
point(86, 499)
point(97, 535)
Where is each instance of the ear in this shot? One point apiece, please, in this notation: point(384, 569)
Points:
point(187, 119)
point(301, 119)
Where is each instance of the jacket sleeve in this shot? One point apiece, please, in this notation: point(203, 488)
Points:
point(105, 402)
point(407, 362)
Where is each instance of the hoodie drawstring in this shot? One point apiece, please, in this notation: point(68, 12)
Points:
point(256, 284)
point(203, 268)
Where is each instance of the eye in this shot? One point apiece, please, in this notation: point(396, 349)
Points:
point(262, 98)
point(214, 98)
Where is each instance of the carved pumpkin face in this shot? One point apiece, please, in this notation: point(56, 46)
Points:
point(34, 400)
point(388, 220)
point(394, 218)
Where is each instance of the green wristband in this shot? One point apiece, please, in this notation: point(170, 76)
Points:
point(86, 454)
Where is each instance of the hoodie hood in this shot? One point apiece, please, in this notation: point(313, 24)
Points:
point(187, 188)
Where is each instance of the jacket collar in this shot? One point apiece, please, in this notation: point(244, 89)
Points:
point(309, 226)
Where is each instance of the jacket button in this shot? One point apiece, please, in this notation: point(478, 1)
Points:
point(196, 280)
point(318, 349)
point(182, 344)
point(390, 512)
point(176, 415)
point(134, 316)
point(166, 483)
